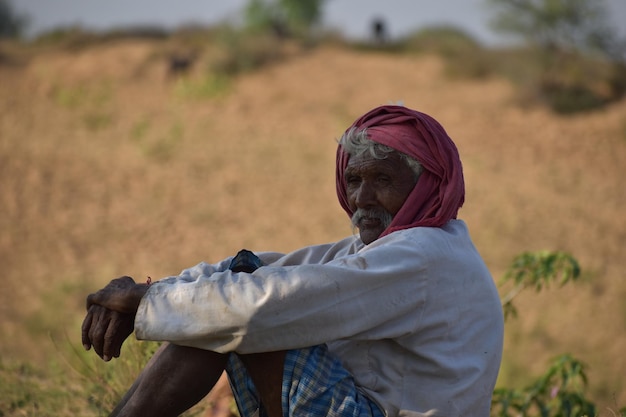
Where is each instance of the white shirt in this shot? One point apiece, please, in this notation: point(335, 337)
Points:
point(414, 316)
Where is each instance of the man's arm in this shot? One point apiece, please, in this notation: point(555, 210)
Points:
point(111, 311)
point(176, 377)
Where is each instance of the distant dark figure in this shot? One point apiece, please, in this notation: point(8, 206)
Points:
point(180, 63)
point(379, 31)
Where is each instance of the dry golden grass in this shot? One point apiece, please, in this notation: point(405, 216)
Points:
point(108, 168)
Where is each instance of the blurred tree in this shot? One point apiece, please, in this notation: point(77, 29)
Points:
point(302, 13)
point(581, 59)
point(284, 17)
point(11, 24)
point(559, 25)
point(259, 15)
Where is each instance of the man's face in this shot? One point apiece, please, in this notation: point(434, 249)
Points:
point(376, 189)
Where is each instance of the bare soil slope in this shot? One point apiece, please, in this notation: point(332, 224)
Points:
point(109, 168)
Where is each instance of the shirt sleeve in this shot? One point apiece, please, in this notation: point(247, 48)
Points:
point(332, 294)
point(202, 269)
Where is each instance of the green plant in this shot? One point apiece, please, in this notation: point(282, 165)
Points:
point(560, 391)
point(537, 270)
point(557, 393)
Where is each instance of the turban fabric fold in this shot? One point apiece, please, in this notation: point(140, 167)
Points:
point(440, 189)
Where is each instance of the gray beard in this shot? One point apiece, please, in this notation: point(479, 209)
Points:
point(383, 216)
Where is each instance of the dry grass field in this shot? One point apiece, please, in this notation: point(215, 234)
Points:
point(109, 168)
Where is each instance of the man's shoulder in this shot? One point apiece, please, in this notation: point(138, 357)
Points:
point(453, 228)
point(427, 242)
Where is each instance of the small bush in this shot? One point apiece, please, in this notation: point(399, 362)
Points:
point(464, 56)
point(444, 40)
point(241, 51)
point(557, 393)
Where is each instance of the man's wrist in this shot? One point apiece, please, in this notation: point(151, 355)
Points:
point(138, 293)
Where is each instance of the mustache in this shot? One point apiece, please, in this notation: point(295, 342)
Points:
point(381, 215)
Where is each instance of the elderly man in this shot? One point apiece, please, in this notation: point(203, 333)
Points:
point(403, 320)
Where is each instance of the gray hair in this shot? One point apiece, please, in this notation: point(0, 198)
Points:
point(357, 142)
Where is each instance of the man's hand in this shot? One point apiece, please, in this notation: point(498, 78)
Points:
point(111, 316)
point(122, 295)
point(106, 331)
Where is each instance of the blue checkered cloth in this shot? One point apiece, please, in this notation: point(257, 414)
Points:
point(314, 384)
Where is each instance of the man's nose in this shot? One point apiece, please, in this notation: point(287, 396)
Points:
point(365, 195)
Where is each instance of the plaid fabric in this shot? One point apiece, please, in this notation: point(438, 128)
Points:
point(314, 384)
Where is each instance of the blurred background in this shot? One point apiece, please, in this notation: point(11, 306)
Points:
point(352, 18)
point(140, 139)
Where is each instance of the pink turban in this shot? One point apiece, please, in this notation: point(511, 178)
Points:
point(439, 191)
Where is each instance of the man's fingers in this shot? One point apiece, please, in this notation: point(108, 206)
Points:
point(85, 330)
point(89, 301)
point(109, 339)
point(98, 329)
point(126, 328)
point(105, 331)
point(117, 331)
